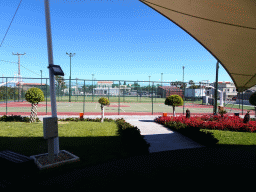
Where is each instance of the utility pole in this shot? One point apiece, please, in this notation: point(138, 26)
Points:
point(19, 80)
point(70, 55)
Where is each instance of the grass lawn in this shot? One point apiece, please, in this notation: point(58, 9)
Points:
point(234, 140)
point(92, 142)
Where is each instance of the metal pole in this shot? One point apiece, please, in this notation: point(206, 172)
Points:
point(152, 98)
point(239, 100)
point(216, 89)
point(149, 86)
point(46, 96)
point(183, 89)
point(242, 103)
point(119, 100)
point(108, 92)
point(92, 87)
point(84, 97)
point(137, 89)
point(162, 85)
point(70, 55)
point(6, 94)
point(52, 143)
point(41, 79)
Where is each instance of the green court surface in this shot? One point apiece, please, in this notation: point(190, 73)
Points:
point(127, 104)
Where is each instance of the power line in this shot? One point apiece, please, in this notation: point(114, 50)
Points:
point(23, 67)
point(10, 23)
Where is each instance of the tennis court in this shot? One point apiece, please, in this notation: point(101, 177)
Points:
point(128, 108)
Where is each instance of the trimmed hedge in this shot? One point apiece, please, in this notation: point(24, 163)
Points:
point(133, 141)
point(16, 118)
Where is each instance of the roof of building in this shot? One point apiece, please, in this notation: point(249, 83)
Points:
point(105, 82)
point(170, 88)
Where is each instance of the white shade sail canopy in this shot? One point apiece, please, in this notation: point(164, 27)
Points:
point(226, 28)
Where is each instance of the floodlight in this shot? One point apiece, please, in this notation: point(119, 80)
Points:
point(56, 69)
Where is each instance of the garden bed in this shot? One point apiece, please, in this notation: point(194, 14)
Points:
point(231, 123)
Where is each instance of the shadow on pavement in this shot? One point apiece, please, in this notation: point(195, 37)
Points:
point(148, 170)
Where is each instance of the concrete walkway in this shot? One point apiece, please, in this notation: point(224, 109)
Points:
point(162, 139)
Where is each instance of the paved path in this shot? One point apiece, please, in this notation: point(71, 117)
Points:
point(162, 139)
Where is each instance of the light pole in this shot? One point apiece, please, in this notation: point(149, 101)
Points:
point(70, 55)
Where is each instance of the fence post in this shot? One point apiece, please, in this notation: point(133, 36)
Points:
point(137, 90)
point(123, 95)
point(242, 103)
point(6, 95)
point(183, 96)
point(14, 94)
point(119, 100)
point(108, 92)
point(46, 96)
point(84, 97)
point(22, 95)
point(152, 98)
point(92, 92)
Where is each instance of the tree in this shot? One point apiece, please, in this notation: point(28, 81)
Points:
point(252, 101)
point(60, 82)
point(191, 82)
point(34, 96)
point(177, 84)
point(174, 100)
point(103, 101)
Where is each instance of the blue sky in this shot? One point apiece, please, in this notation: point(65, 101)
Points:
point(112, 39)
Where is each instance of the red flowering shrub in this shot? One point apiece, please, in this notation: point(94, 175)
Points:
point(232, 123)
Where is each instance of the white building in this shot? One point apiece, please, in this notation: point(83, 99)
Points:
point(228, 88)
point(105, 88)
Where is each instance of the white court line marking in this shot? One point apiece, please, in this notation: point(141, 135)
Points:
point(120, 107)
point(96, 105)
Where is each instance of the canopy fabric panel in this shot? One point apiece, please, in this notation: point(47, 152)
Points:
point(226, 28)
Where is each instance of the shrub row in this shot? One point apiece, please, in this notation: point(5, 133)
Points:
point(204, 138)
point(132, 140)
point(16, 118)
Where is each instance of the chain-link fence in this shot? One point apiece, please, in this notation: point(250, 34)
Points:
point(126, 97)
